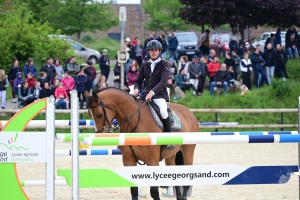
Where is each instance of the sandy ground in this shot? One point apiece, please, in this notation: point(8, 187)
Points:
point(244, 154)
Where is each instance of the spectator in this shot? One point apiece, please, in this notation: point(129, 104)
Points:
point(29, 67)
point(173, 70)
point(182, 82)
point(138, 52)
point(42, 79)
point(4, 83)
point(291, 47)
point(24, 97)
point(55, 85)
point(61, 97)
point(93, 70)
point(258, 66)
point(30, 80)
point(270, 59)
point(66, 64)
point(277, 38)
point(104, 64)
point(68, 82)
point(290, 31)
point(229, 61)
point(135, 63)
point(127, 47)
point(80, 82)
point(173, 44)
point(55, 78)
point(156, 37)
point(258, 46)
point(184, 64)
point(281, 60)
point(49, 69)
point(18, 82)
point(134, 41)
point(221, 79)
point(36, 91)
point(58, 68)
point(231, 79)
point(203, 73)
point(149, 38)
point(12, 74)
point(132, 75)
point(164, 45)
point(117, 77)
point(203, 42)
point(101, 83)
point(211, 56)
point(246, 68)
point(235, 38)
point(212, 68)
point(270, 40)
point(87, 71)
point(73, 67)
point(236, 67)
point(194, 71)
point(47, 91)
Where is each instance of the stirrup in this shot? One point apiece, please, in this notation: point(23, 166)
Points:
point(170, 147)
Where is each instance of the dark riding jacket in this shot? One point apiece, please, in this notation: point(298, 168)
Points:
point(156, 80)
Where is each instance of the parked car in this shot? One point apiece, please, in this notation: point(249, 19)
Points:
point(220, 43)
point(79, 50)
point(187, 44)
point(263, 37)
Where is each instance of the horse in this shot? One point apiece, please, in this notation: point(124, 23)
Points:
point(134, 116)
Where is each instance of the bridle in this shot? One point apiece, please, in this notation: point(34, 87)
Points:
point(110, 127)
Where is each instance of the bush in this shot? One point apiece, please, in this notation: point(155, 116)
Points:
point(281, 88)
point(87, 39)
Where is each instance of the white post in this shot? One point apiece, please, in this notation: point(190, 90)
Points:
point(50, 160)
point(75, 145)
point(122, 19)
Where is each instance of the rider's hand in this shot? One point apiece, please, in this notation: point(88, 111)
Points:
point(136, 93)
point(149, 96)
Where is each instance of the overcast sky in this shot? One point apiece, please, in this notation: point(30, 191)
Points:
point(129, 1)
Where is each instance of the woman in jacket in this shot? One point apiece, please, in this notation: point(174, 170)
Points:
point(258, 66)
point(29, 67)
point(212, 68)
point(182, 82)
point(61, 97)
point(80, 82)
point(270, 59)
point(24, 97)
point(89, 75)
point(3, 85)
point(246, 68)
point(132, 75)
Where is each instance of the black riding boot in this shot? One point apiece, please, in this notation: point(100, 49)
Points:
point(167, 126)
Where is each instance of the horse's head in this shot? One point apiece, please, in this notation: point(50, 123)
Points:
point(101, 113)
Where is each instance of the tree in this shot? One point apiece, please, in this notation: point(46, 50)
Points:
point(76, 16)
point(22, 38)
point(164, 15)
point(246, 13)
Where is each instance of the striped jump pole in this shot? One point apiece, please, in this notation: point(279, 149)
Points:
point(66, 137)
point(90, 152)
point(170, 138)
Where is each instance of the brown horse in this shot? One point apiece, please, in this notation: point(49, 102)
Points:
point(135, 116)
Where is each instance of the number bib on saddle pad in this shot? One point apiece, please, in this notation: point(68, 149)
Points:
point(176, 126)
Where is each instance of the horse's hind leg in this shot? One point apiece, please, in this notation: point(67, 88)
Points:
point(154, 193)
point(134, 193)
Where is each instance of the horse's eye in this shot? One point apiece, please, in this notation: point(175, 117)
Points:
point(100, 115)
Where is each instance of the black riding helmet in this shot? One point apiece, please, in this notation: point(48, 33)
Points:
point(154, 44)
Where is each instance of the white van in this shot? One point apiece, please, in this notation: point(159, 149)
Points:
point(263, 37)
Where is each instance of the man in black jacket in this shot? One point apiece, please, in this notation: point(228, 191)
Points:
point(270, 61)
point(291, 47)
point(281, 60)
point(49, 69)
point(221, 79)
point(47, 91)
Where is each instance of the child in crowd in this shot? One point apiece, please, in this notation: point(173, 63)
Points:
point(61, 97)
point(42, 78)
point(30, 80)
point(101, 83)
point(4, 83)
point(18, 82)
point(80, 82)
point(231, 80)
point(24, 97)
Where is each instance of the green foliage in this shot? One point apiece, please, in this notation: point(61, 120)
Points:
point(87, 39)
point(76, 16)
point(281, 89)
point(21, 38)
point(110, 45)
point(164, 16)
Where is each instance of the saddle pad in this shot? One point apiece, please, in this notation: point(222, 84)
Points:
point(176, 126)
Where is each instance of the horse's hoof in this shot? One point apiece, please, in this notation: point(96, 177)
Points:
point(181, 198)
point(134, 198)
point(178, 197)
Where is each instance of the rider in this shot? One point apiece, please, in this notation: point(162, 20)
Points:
point(156, 73)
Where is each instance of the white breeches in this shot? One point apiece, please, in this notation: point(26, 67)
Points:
point(163, 108)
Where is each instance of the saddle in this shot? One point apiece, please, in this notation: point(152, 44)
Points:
point(155, 112)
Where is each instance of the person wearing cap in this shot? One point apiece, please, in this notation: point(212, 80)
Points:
point(271, 40)
point(104, 64)
point(291, 47)
point(194, 71)
point(156, 73)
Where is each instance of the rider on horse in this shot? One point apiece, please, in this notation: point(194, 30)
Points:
point(156, 73)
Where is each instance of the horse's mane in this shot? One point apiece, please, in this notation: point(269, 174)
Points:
point(107, 88)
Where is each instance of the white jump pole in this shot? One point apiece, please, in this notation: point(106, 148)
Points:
point(75, 145)
point(50, 160)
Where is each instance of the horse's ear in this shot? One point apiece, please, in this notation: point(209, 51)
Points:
point(86, 94)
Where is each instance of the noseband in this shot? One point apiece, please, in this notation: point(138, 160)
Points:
point(110, 128)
